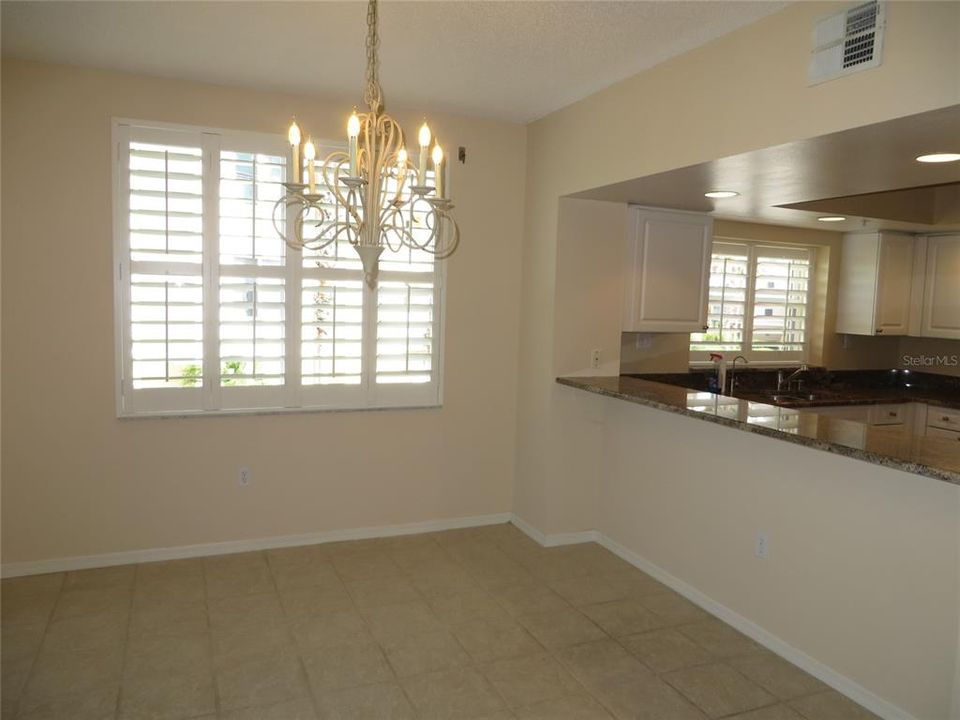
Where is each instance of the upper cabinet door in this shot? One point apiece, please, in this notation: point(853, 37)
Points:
point(941, 288)
point(894, 281)
point(668, 268)
point(876, 277)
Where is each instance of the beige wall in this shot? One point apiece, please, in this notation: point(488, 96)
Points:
point(676, 114)
point(862, 571)
point(77, 481)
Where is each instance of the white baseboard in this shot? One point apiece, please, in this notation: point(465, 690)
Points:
point(824, 673)
point(130, 557)
point(557, 539)
point(840, 683)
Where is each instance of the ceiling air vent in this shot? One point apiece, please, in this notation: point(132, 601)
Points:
point(847, 41)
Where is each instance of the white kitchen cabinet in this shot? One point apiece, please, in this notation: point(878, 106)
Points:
point(909, 415)
point(668, 271)
point(943, 418)
point(876, 277)
point(940, 311)
point(943, 434)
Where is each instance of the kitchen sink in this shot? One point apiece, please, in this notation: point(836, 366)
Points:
point(798, 398)
point(794, 397)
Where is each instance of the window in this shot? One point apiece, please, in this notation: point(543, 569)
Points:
point(216, 314)
point(758, 303)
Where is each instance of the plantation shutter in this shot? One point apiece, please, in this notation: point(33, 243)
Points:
point(727, 301)
point(758, 303)
point(781, 290)
point(253, 283)
point(216, 313)
point(161, 204)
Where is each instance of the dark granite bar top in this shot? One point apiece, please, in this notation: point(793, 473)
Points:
point(892, 445)
point(820, 387)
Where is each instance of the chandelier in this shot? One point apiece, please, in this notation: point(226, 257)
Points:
point(372, 195)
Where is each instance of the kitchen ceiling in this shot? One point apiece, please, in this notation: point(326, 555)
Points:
point(513, 61)
point(868, 174)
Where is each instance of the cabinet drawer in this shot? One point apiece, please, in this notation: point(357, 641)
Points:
point(945, 418)
point(888, 414)
point(941, 433)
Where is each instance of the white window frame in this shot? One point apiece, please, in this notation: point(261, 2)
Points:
point(212, 398)
point(700, 358)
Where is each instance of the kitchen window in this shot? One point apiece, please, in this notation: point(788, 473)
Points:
point(758, 303)
point(214, 313)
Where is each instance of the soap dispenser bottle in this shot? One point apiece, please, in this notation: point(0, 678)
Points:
point(718, 381)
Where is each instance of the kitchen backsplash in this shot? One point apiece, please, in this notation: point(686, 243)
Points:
point(669, 353)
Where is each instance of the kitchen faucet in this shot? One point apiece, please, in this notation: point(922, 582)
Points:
point(733, 371)
point(781, 380)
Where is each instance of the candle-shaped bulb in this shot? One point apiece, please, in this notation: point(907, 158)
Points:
point(424, 135)
point(353, 131)
point(353, 125)
point(402, 158)
point(296, 169)
point(438, 169)
point(309, 153)
point(293, 135)
point(424, 139)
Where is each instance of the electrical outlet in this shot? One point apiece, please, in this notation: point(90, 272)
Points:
point(244, 477)
point(762, 546)
point(595, 359)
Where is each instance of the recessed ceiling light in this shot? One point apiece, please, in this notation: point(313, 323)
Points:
point(831, 218)
point(939, 157)
point(721, 194)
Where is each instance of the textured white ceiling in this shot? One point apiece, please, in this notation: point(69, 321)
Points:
point(508, 60)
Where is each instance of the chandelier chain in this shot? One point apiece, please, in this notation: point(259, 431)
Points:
point(373, 95)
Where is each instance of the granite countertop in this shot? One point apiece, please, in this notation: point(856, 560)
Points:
point(828, 388)
point(891, 445)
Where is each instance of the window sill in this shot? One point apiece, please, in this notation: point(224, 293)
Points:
point(753, 363)
point(173, 414)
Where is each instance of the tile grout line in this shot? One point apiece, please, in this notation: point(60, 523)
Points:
point(287, 630)
point(43, 637)
point(473, 663)
point(126, 642)
point(399, 680)
point(356, 608)
point(217, 709)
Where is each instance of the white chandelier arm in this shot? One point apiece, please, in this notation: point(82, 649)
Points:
point(332, 164)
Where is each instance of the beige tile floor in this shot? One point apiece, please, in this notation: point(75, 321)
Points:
point(478, 623)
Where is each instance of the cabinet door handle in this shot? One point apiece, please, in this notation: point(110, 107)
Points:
point(946, 418)
point(892, 414)
point(879, 331)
